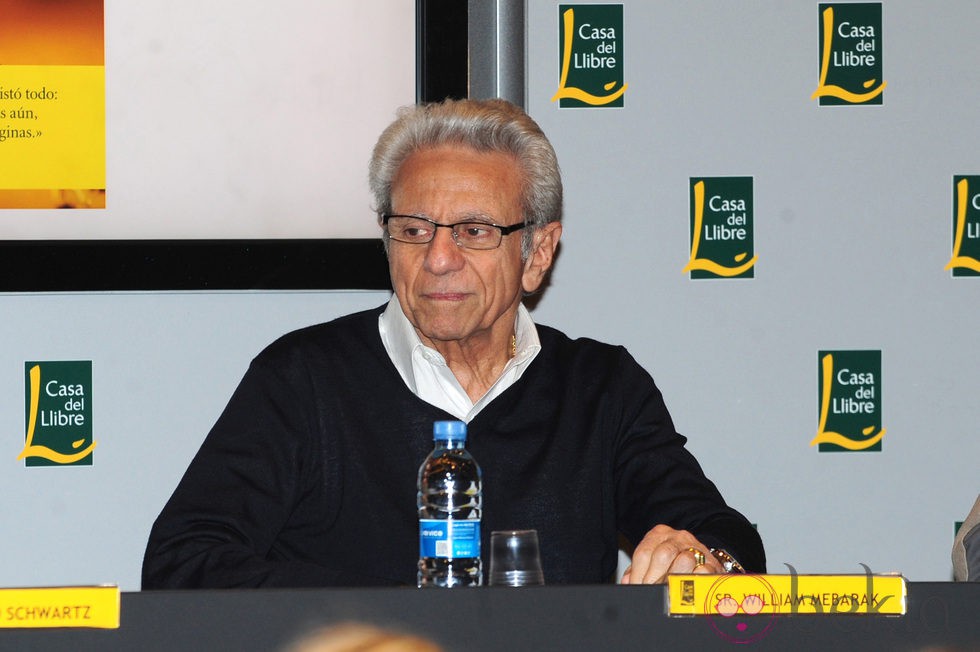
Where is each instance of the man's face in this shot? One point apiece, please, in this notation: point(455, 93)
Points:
point(449, 293)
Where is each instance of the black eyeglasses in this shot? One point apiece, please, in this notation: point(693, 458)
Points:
point(471, 235)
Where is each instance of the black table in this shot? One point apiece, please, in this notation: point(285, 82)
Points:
point(605, 618)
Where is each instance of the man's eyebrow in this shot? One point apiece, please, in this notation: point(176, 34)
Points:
point(475, 217)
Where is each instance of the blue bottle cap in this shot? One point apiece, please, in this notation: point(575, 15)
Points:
point(444, 430)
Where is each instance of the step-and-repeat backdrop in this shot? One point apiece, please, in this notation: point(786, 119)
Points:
point(774, 205)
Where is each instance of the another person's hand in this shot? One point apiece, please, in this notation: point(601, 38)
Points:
point(665, 550)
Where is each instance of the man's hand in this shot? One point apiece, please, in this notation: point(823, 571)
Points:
point(665, 550)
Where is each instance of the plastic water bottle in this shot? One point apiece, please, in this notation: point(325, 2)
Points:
point(450, 503)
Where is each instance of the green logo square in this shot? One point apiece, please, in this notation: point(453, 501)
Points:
point(850, 54)
point(965, 260)
point(849, 401)
point(722, 228)
point(58, 414)
point(590, 51)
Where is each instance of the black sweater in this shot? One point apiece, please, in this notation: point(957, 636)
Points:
point(308, 477)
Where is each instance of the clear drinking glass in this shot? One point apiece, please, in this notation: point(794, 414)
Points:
point(515, 559)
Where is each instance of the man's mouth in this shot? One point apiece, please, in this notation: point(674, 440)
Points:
point(445, 296)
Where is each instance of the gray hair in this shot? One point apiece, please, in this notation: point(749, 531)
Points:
point(486, 126)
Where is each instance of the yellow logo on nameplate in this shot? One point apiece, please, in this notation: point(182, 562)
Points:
point(95, 607)
point(726, 596)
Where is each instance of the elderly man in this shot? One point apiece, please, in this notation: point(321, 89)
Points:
point(308, 477)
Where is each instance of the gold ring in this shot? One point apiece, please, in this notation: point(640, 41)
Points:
point(698, 557)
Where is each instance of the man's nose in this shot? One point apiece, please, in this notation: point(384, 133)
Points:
point(443, 254)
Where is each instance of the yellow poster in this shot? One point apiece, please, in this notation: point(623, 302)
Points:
point(52, 104)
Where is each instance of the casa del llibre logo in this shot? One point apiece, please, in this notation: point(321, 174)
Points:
point(850, 55)
point(722, 228)
point(849, 402)
point(590, 45)
point(965, 259)
point(58, 414)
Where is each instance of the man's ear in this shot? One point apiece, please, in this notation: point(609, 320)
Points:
point(544, 245)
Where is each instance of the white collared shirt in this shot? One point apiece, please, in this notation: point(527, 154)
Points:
point(426, 373)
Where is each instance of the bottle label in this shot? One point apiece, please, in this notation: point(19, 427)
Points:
point(449, 539)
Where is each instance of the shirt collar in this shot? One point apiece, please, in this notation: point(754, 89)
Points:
point(401, 340)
